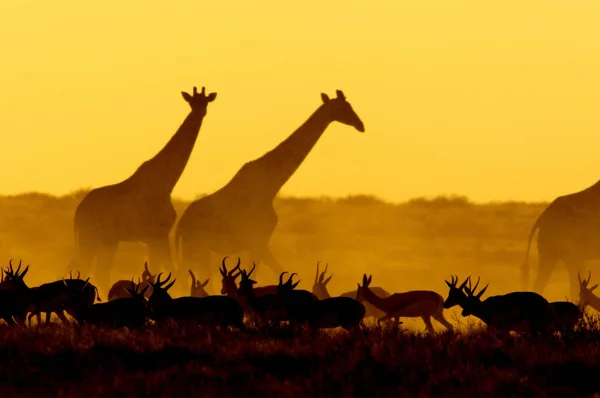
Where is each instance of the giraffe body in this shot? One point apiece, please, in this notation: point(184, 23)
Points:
point(138, 209)
point(240, 216)
point(569, 230)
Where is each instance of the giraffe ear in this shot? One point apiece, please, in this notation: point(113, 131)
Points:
point(324, 97)
point(211, 97)
point(186, 96)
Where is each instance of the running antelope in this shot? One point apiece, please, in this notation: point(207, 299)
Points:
point(120, 289)
point(130, 312)
point(416, 303)
point(221, 311)
point(516, 311)
point(320, 290)
point(197, 289)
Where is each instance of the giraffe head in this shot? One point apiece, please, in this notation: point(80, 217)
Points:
point(341, 111)
point(199, 101)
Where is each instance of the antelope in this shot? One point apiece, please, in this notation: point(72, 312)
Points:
point(222, 311)
point(289, 296)
point(197, 289)
point(516, 311)
point(320, 290)
point(565, 315)
point(586, 294)
point(120, 289)
point(130, 312)
point(72, 292)
point(266, 307)
point(229, 285)
point(416, 303)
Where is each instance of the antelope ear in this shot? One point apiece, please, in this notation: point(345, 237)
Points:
point(449, 285)
point(593, 288)
point(205, 283)
point(144, 289)
point(295, 284)
point(328, 279)
point(130, 292)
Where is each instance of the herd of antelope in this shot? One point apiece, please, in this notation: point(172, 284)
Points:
point(132, 304)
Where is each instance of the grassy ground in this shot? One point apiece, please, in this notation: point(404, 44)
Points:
point(413, 245)
point(180, 362)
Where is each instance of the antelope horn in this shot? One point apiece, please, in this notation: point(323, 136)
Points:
point(223, 264)
point(281, 277)
point(193, 277)
point(317, 276)
point(253, 267)
point(237, 266)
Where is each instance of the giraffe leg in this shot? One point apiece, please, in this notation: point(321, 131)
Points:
point(265, 255)
point(159, 253)
point(547, 263)
point(103, 267)
point(573, 267)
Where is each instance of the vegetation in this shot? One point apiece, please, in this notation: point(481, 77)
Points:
point(412, 245)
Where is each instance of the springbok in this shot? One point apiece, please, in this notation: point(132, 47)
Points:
point(220, 311)
point(120, 289)
point(62, 296)
point(197, 289)
point(267, 307)
point(229, 285)
point(424, 304)
point(130, 312)
point(586, 294)
point(565, 315)
point(291, 297)
point(516, 311)
point(320, 290)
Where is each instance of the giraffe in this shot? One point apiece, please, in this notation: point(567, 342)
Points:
point(569, 230)
point(138, 208)
point(240, 216)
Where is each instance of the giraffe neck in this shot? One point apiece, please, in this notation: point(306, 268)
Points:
point(267, 174)
point(162, 172)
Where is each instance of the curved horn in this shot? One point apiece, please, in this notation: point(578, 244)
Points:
point(317, 276)
point(237, 266)
point(289, 281)
point(193, 277)
point(253, 267)
point(223, 264)
point(18, 269)
point(78, 275)
point(281, 277)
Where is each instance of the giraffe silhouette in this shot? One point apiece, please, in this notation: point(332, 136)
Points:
point(569, 230)
point(138, 208)
point(240, 216)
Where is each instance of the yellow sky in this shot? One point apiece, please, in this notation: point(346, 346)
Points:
point(493, 100)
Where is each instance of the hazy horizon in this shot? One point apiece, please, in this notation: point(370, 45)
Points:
point(494, 102)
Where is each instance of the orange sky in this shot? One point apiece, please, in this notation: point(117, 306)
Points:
point(493, 100)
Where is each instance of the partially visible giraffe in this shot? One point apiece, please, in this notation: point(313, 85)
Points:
point(138, 208)
point(569, 230)
point(240, 216)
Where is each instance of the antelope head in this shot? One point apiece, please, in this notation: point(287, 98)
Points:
point(135, 290)
point(197, 289)
point(288, 286)
point(320, 287)
point(586, 294)
point(246, 284)
point(472, 301)
point(14, 279)
point(360, 292)
point(229, 285)
point(456, 296)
